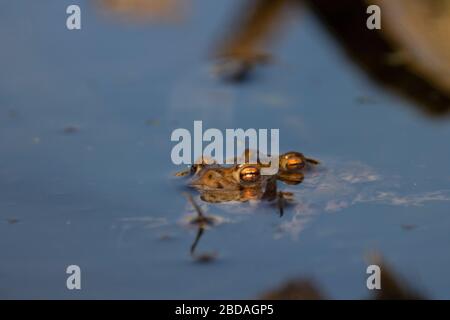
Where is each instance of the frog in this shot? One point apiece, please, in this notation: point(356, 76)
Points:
point(243, 182)
point(240, 182)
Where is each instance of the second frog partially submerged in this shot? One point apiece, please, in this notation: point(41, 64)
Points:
point(244, 182)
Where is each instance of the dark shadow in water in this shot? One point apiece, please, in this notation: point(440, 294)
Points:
point(393, 287)
point(242, 48)
point(346, 20)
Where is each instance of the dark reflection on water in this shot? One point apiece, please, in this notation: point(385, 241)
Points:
point(85, 169)
point(417, 65)
point(394, 287)
point(390, 62)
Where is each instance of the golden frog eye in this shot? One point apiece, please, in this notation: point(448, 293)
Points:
point(249, 174)
point(292, 161)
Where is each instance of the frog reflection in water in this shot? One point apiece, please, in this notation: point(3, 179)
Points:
point(242, 183)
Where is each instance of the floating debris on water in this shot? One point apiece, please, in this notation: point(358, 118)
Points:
point(13, 114)
point(152, 122)
point(408, 227)
point(166, 237)
point(36, 140)
point(206, 257)
point(71, 129)
point(13, 220)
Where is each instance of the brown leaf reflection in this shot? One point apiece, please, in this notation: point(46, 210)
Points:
point(299, 289)
point(145, 10)
point(410, 54)
point(243, 47)
point(393, 285)
point(405, 55)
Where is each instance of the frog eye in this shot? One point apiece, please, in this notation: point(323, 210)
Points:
point(292, 161)
point(249, 174)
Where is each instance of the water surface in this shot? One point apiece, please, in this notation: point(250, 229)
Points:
point(86, 175)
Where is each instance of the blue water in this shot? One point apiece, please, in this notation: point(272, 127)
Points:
point(104, 197)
